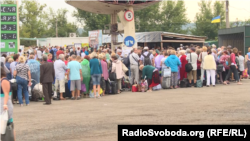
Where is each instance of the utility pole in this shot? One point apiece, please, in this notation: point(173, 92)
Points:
point(227, 14)
point(56, 28)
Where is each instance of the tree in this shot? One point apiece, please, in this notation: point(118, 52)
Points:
point(147, 19)
point(204, 27)
point(173, 16)
point(63, 26)
point(31, 18)
point(91, 21)
point(8, 2)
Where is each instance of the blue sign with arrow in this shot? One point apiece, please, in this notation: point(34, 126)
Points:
point(129, 41)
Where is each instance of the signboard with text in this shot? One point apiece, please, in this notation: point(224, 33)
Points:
point(95, 38)
point(9, 30)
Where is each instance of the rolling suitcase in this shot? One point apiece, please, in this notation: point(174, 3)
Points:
point(166, 82)
point(114, 87)
point(67, 92)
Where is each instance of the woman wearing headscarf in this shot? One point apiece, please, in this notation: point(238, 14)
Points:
point(86, 73)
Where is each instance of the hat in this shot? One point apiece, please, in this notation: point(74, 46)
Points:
point(118, 50)
point(32, 53)
point(146, 48)
point(213, 45)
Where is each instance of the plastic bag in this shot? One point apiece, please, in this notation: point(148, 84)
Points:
point(167, 72)
point(4, 120)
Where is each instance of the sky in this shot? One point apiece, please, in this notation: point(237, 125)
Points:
point(237, 8)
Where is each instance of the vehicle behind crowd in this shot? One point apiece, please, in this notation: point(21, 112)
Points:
point(83, 72)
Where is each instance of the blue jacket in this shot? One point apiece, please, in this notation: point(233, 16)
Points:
point(95, 66)
point(173, 62)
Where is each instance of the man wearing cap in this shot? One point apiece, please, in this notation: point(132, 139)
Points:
point(192, 58)
point(147, 55)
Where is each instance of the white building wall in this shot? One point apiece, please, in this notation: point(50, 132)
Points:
point(63, 41)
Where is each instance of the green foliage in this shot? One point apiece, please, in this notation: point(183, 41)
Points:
point(204, 27)
point(173, 16)
point(8, 2)
point(148, 18)
point(163, 16)
point(63, 26)
point(91, 21)
point(32, 24)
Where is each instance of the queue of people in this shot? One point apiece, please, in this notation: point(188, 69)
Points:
point(82, 69)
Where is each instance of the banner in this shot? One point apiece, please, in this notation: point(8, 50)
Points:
point(95, 38)
point(85, 44)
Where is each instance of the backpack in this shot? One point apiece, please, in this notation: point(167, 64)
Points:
point(126, 61)
point(147, 60)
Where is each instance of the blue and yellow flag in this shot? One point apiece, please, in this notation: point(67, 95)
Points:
point(216, 19)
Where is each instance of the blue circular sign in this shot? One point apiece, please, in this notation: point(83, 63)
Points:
point(129, 41)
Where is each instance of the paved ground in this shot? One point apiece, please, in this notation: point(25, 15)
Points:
point(97, 119)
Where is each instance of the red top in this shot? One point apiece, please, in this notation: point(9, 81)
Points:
point(233, 58)
point(183, 61)
point(198, 63)
point(66, 62)
point(58, 53)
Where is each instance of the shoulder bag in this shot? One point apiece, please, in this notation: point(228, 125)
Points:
point(188, 66)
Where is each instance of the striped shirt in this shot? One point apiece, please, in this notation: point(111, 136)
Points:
point(22, 70)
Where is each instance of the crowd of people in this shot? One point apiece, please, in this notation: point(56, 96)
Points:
point(56, 66)
point(72, 69)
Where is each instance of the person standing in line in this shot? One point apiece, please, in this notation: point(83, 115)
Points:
point(23, 79)
point(134, 66)
point(55, 49)
point(60, 69)
point(183, 60)
point(13, 64)
point(50, 58)
point(47, 77)
point(6, 104)
point(241, 64)
point(73, 52)
point(74, 74)
point(34, 66)
point(104, 70)
point(192, 58)
point(173, 62)
point(233, 67)
point(117, 68)
point(60, 51)
point(201, 59)
point(248, 62)
point(96, 73)
point(39, 55)
point(210, 66)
